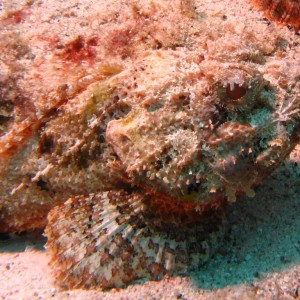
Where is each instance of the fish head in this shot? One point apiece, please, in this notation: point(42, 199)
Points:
point(205, 128)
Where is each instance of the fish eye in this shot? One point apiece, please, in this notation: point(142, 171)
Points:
point(239, 89)
point(235, 91)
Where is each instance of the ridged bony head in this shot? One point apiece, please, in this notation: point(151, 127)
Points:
point(211, 131)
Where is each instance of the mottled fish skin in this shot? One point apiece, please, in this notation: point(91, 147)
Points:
point(199, 139)
point(112, 239)
point(142, 155)
point(286, 12)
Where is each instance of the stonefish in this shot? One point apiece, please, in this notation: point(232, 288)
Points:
point(192, 105)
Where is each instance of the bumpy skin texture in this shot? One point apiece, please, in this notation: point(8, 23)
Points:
point(186, 147)
point(114, 238)
point(156, 143)
point(281, 11)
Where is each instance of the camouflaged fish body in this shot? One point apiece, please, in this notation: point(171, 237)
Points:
point(142, 155)
point(205, 132)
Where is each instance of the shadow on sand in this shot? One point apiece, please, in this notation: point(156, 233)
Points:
point(264, 234)
point(23, 241)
